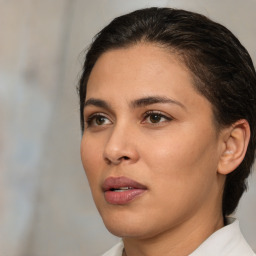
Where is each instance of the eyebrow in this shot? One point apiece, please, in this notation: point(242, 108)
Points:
point(142, 102)
point(97, 103)
point(154, 100)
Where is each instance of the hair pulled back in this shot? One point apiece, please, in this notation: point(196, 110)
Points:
point(221, 67)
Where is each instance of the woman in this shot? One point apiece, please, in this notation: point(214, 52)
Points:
point(168, 108)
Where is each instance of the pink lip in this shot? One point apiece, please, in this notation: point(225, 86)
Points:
point(113, 195)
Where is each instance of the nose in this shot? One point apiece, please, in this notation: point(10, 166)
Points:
point(121, 147)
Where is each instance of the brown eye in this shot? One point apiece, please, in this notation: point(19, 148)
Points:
point(97, 120)
point(155, 118)
point(100, 120)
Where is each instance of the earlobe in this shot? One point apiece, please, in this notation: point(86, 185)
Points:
point(235, 146)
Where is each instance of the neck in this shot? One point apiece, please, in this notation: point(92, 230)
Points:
point(180, 241)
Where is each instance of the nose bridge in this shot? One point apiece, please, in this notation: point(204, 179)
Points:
point(120, 145)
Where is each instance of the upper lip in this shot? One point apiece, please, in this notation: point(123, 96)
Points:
point(119, 182)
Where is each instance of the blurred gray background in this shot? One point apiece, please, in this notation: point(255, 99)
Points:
point(45, 203)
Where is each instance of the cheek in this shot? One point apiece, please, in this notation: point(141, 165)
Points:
point(183, 175)
point(91, 155)
point(182, 157)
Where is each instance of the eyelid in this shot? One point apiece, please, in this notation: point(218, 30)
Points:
point(91, 117)
point(92, 113)
point(160, 113)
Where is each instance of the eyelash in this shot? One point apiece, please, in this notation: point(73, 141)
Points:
point(157, 113)
point(92, 118)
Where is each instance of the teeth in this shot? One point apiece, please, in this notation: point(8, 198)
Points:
point(121, 189)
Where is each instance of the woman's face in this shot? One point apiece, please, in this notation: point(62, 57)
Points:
point(150, 149)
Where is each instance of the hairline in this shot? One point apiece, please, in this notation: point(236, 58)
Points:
point(182, 57)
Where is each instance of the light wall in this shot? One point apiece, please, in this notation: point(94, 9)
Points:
point(45, 203)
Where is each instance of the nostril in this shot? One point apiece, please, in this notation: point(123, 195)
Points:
point(117, 161)
point(107, 161)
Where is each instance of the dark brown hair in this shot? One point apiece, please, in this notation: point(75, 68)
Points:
point(221, 67)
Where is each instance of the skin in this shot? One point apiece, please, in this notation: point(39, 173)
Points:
point(176, 156)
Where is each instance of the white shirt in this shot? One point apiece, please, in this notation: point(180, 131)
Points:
point(227, 241)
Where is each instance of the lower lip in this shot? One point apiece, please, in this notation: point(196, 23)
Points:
point(124, 197)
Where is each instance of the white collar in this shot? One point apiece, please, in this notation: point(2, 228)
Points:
point(227, 241)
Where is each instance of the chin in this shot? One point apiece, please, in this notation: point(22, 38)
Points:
point(131, 227)
point(131, 231)
point(124, 225)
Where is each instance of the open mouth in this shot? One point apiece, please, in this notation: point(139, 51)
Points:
point(121, 190)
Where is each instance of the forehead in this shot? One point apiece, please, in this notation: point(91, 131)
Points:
point(141, 66)
point(122, 76)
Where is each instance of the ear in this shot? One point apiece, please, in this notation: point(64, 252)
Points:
point(235, 142)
